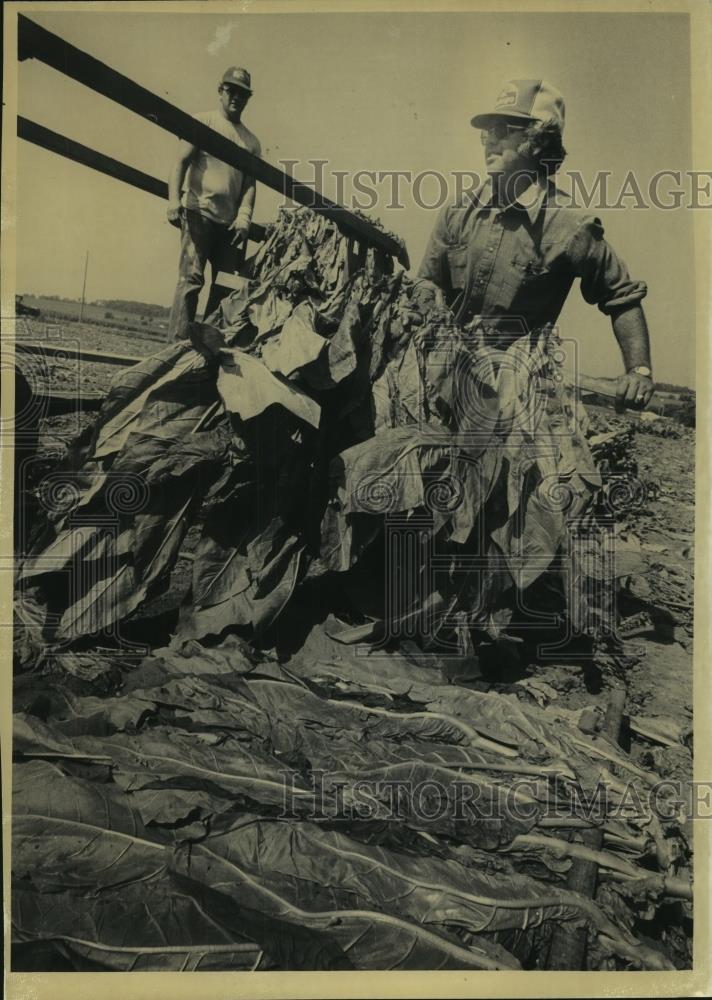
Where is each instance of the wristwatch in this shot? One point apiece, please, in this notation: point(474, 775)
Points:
point(641, 370)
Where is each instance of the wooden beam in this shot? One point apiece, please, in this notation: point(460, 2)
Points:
point(75, 151)
point(35, 42)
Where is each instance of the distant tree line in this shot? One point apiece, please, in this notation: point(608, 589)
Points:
point(129, 306)
point(683, 390)
point(120, 305)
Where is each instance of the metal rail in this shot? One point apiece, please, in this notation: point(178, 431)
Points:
point(88, 157)
point(35, 42)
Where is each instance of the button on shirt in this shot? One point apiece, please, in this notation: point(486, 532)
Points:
point(215, 189)
point(514, 266)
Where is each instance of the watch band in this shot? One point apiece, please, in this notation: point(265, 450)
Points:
point(641, 370)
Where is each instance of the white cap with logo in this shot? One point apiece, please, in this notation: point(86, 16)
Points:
point(525, 101)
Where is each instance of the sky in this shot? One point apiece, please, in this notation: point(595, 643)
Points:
point(382, 91)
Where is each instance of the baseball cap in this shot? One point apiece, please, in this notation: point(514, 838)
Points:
point(525, 101)
point(238, 77)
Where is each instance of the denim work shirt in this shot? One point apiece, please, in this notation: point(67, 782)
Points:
point(515, 265)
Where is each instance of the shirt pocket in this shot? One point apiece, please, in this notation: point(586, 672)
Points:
point(530, 266)
point(457, 266)
point(538, 263)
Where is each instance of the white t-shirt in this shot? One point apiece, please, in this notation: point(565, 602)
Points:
point(212, 187)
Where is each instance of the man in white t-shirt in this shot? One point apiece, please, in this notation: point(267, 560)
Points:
point(211, 202)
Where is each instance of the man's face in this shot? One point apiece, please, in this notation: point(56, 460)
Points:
point(501, 142)
point(232, 100)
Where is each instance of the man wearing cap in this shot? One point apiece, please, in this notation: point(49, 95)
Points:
point(509, 252)
point(211, 202)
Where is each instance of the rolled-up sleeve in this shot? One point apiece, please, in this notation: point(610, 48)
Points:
point(605, 281)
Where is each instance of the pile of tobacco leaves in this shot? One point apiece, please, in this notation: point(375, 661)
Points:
point(293, 781)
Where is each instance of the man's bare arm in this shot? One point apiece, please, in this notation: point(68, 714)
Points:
point(240, 226)
point(186, 152)
point(631, 332)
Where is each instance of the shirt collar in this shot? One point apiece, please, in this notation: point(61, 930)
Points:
point(530, 200)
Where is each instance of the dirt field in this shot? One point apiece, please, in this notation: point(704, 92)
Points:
point(55, 310)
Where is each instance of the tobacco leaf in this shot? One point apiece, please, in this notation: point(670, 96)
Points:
point(187, 657)
point(164, 756)
point(328, 751)
point(100, 716)
point(267, 310)
point(32, 736)
point(500, 718)
point(303, 860)
point(199, 454)
point(220, 573)
point(69, 833)
point(531, 538)
point(436, 800)
point(334, 934)
point(175, 807)
point(495, 716)
point(247, 388)
point(147, 927)
point(283, 701)
point(206, 704)
point(129, 383)
point(249, 579)
point(167, 407)
point(120, 589)
point(59, 553)
point(298, 343)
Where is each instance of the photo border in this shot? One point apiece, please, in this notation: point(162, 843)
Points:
point(333, 985)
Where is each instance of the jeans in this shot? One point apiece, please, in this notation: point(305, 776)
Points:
point(202, 241)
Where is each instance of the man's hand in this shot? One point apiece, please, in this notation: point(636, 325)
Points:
point(238, 233)
point(633, 391)
point(173, 215)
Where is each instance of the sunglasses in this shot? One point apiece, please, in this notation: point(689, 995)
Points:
point(233, 91)
point(501, 130)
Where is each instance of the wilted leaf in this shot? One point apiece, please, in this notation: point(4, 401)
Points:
point(247, 388)
point(302, 860)
point(530, 539)
point(33, 738)
point(166, 806)
point(135, 414)
point(120, 577)
point(206, 704)
point(146, 759)
point(352, 937)
point(75, 834)
point(152, 927)
point(100, 716)
point(298, 344)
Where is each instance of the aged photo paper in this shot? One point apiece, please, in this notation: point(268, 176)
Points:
point(355, 499)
